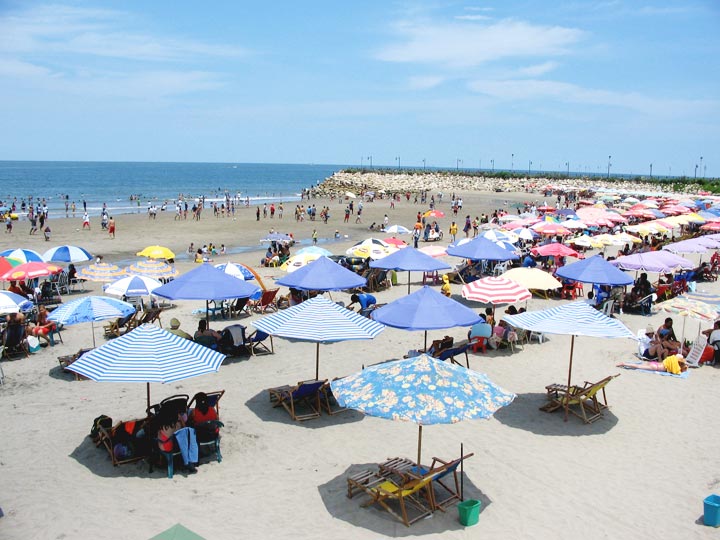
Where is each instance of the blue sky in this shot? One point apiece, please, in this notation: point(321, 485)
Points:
point(451, 82)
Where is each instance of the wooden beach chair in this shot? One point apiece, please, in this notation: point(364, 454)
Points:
point(266, 302)
point(582, 401)
point(305, 394)
point(66, 361)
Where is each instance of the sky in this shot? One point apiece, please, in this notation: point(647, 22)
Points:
point(508, 84)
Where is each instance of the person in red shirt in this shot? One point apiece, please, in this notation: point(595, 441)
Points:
point(201, 414)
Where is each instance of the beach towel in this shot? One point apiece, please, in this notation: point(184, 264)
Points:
point(237, 331)
point(187, 443)
point(683, 375)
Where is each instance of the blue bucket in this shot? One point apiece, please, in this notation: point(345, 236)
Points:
point(712, 511)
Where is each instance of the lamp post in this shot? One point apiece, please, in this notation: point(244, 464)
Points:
point(423, 164)
point(492, 163)
point(696, 166)
point(651, 170)
point(567, 166)
point(512, 162)
point(398, 160)
point(701, 167)
point(609, 158)
point(370, 158)
point(529, 165)
point(457, 164)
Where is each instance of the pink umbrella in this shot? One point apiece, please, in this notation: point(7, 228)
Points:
point(434, 251)
point(555, 250)
point(551, 229)
point(495, 290)
point(395, 242)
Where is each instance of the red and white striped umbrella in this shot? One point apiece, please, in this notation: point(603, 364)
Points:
point(495, 290)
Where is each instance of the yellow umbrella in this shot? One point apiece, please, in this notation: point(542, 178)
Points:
point(586, 241)
point(101, 272)
point(156, 252)
point(532, 278)
point(625, 237)
point(298, 261)
point(153, 269)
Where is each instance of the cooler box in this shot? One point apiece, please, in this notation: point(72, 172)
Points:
point(712, 511)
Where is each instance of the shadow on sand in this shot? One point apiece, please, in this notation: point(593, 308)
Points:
point(379, 521)
point(524, 414)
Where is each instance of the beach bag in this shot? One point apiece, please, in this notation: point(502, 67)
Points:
point(103, 421)
point(33, 344)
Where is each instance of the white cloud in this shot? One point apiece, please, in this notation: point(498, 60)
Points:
point(472, 17)
point(463, 45)
point(425, 82)
point(538, 69)
point(15, 68)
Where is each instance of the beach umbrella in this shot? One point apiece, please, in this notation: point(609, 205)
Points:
point(101, 272)
point(350, 195)
point(594, 270)
point(177, 532)
point(495, 291)
point(574, 319)
point(555, 249)
point(434, 251)
point(152, 268)
point(586, 241)
point(423, 390)
point(156, 252)
point(299, 260)
point(319, 320)
point(7, 264)
point(396, 242)
point(91, 309)
point(550, 229)
point(688, 307)
point(661, 261)
point(434, 214)
point(371, 247)
point(13, 303)
point(481, 249)
point(532, 278)
point(425, 309)
point(31, 270)
point(322, 275)
point(205, 282)
point(133, 285)
point(68, 254)
point(627, 238)
point(397, 229)
point(525, 234)
point(22, 255)
point(574, 224)
point(409, 260)
point(238, 270)
point(315, 250)
point(692, 245)
point(277, 237)
point(147, 354)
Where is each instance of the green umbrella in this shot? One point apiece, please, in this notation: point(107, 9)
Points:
point(177, 532)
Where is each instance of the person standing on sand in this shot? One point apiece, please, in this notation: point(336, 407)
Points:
point(84, 205)
point(453, 231)
point(73, 208)
point(257, 213)
point(314, 237)
point(111, 227)
point(86, 221)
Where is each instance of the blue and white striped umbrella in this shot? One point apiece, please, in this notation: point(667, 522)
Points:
point(574, 319)
point(236, 270)
point(133, 286)
point(319, 320)
point(69, 254)
point(91, 309)
point(148, 354)
point(22, 255)
point(13, 303)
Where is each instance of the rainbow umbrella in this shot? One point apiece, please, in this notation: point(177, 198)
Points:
point(434, 214)
point(686, 307)
point(152, 268)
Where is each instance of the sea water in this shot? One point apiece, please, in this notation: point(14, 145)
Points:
point(127, 187)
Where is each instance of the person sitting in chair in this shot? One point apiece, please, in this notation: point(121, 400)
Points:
point(202, 413)
point(43, 328)
point(203, 330)
point(651, 346)
point(175, 329)
point(445, 289)
point(713, 335)
point(667, 337)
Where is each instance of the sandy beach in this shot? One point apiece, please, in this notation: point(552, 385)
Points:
point(640, 472)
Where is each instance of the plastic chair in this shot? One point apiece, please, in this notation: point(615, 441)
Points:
point(478, 343)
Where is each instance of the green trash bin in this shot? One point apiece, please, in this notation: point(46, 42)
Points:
point(469, 512)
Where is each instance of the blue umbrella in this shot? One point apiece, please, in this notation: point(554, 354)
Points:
point(67, 254)
point(575, 319)
point(595, 270)
point(409, 259)
point(236, 270)
point(314, 250)
point(133, 285)
point(423, 390)
point(322, 275)
point(148, 354)
point(91, 309)
point(13, 303)
point(321, 321)
point(206, 283)
point(481, 249)
point(22, 255)
point(425, 309)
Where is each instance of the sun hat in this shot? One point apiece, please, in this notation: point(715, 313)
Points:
point(649, 329)
point(174, 323)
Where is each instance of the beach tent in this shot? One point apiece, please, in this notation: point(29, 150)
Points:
point(425, 309)
point(322, 275)
point(319, 320)
point(423, 390)
point(594, 270)
point(409, 259)
point(573, 319)
point(147, 354)
point(206, 282)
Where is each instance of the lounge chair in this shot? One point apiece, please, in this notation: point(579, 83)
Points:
point(122, 441)
point(218, 306)
point(450, 354)
point(14, 340)
point(257, 343)
point(119, 326)
point(207, 341)
point(305, 393)
point(696, 352)
point(67, 360)
point(328, 401)
point(584, 398)
point(239, 307)
point(266, 302)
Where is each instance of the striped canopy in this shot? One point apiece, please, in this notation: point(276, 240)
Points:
point(13, 303)
point(152, 268)
point(91, 309)
point(69, 254)
point(101, 272)
point(22, 255)
point(321, 321)
point(148, 354)
point(133, 286)
point(495, 291)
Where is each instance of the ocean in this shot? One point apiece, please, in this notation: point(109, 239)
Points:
point(113, 183)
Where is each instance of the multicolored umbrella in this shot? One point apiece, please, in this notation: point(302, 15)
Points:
point(68, 254)
point(238, 270)
point(156, 252)
point(148, 354)
point(299, 260)
point(155, 269)
point(7, 264)
point(434, 251)
point(687, 307)
point(397, 229)
point(550, 229)
point(495, 291)
point(101, 272)
point(22, 255)
point(423, 390)
point(321, 321)
point(31, 270)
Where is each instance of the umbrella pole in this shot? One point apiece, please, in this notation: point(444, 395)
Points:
point(92, 329)
point(462, 471)
point(425, 340)
point(567, 395)
point(207, 312)
point(148, 397)
point(408, 281)
point(317, 361)
point(419, 443)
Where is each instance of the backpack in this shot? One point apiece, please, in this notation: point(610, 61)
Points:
point(103, 421)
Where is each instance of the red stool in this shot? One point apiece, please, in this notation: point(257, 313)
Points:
point(478, 343)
